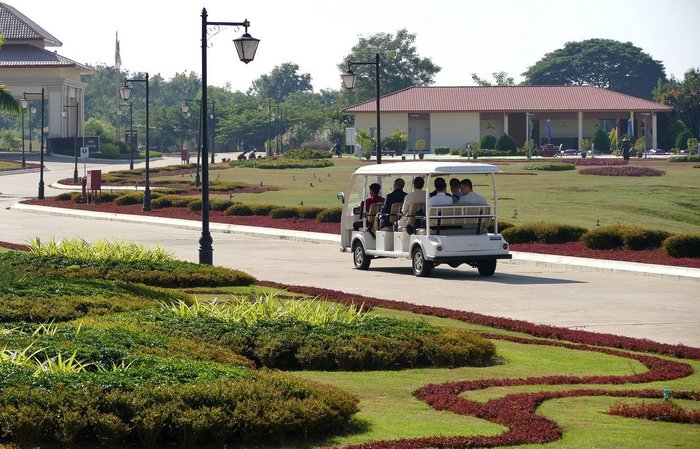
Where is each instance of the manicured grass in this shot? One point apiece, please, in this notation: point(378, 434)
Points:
point(666, 202)
point(9, 165)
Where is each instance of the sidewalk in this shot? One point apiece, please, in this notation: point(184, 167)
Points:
point(536, 259)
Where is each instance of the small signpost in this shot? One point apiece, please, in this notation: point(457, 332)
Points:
point(84, 155)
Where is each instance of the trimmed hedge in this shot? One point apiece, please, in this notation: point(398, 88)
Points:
point(332, 215)
point(622, 171)
point(129, 198)
point(285, 212)
point(682, 245)
point(282, 163)
point(543, 232)
point(684, 159)
point(254, 408)
point(239, 209)
point(618, 236)
point(174, 274)
point(550, 166)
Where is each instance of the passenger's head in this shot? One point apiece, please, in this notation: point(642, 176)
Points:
point(440, 184)
point(454, 185)
point(374, 188)
point(399, 183)
point(418, 183)
point(465, 185)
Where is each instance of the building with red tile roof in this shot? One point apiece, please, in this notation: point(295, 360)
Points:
point(26, 65)
point(453, 116)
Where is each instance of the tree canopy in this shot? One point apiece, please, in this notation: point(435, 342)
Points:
point(684, 96)
point(502, 79)
point(284, 80)
point(606, 63)
point(400, 66)
point(7, 101)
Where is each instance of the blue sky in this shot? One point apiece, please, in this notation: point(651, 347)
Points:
point(461, 36)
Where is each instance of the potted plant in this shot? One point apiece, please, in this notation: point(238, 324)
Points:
point(419, 147)
point(366, 143)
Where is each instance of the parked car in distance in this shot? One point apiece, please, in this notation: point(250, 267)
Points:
point(569, 152)
point(656, 151)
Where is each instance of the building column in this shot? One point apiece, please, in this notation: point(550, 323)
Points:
point(505, 123)
point(653, 131)
point(634, 130)
point(580, 129)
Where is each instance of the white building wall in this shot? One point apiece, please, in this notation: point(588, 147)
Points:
point(389, 122)
point(453, 129)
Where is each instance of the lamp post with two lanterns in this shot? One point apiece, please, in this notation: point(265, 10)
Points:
point(349, 79)
point(246, 46)
point(25, 104)
point(125, 93)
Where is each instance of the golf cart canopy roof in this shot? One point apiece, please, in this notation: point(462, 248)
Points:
point(427, 168)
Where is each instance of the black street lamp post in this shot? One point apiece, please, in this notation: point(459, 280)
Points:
point(125, 93)
point(25, 102)
point(246, 47)
point(349, 83)
point(24, 162)
point(185, 108)
point(64, 114)
point(131, 134)
point(212, 116)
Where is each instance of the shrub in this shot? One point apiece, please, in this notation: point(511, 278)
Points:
point(309, 212)
point(321, 145)
point(219, 204)
point(441, 150)
point(684, 159)
point(502, 225)
point(129, 198)
point(636, 238)
point(69, 196)
point(396, 141)
point(682, 139)
point(550, 166)
point(682, 245)
point(601, 140)
point(306, 154)
point(284, 212)
point(161, 202)
point(331, 215)
point(282, 163)
point(603, 237)
point(621, 171)
point(108, 197)
point(195, 205)
point(262, 209)
point(239, 209)
point(595, 161)
point(488, 142)
point(543, 232)
point(506, 143)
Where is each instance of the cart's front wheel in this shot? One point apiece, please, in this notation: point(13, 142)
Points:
point(487, 268)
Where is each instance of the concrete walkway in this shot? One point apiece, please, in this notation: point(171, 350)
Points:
point(637, 300)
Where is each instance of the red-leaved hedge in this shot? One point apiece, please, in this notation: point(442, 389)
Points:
point(621, 171)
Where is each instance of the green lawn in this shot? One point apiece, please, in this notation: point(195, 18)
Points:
point(666, 202)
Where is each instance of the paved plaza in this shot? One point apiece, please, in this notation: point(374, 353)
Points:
point(642, 301)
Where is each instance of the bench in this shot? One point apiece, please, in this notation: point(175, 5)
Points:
point(459, 219)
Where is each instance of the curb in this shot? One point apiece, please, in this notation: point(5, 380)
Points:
point(535, 259)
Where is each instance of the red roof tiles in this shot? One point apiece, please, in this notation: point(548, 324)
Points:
point(508, 99)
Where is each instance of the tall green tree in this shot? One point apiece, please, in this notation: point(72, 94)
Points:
point(684, 96)
point(399, 63)
point(501, 79)
point(606, 63)
point(284, 80)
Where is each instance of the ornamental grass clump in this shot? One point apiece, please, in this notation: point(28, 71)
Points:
point(80, 249)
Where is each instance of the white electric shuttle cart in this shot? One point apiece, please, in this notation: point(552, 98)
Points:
point(428, 236)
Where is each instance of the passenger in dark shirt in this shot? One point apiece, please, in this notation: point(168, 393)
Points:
point(396, 196)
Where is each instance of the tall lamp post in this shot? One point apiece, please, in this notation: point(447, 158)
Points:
point(349, 83)
point(24, 162)
point(246, 47)
point(64, 114)
point(25, 103)
point(185, 108)
point(131, 132)
point(125, 93)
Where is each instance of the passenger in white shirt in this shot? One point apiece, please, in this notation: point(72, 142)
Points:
point(441, 198)
point(469, 196)
point(413, 203)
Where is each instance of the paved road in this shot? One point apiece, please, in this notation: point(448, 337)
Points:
point(661, 308)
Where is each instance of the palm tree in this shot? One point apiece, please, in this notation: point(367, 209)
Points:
point(7, 101)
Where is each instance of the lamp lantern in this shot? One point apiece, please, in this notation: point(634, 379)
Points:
point(349, 79)
point(125, 92)
point(246, 46)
